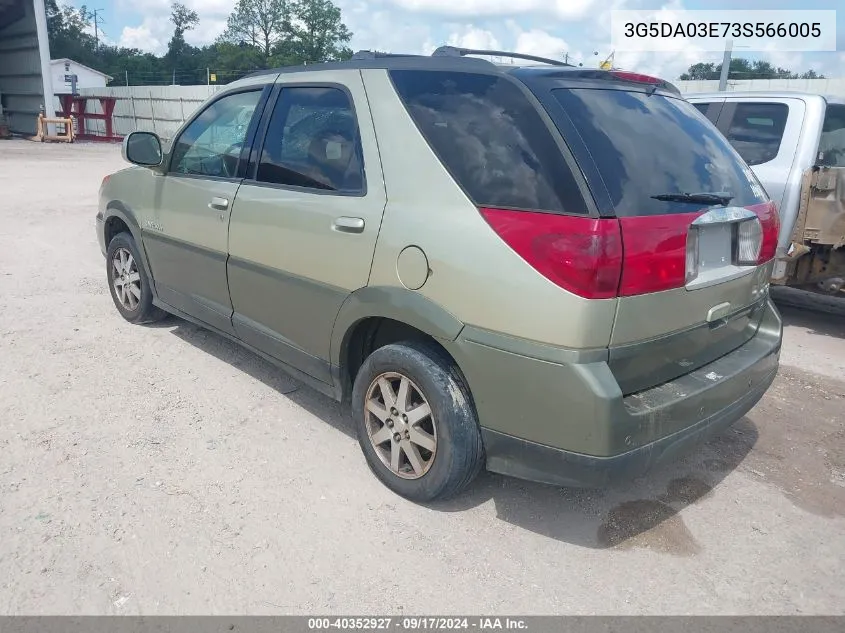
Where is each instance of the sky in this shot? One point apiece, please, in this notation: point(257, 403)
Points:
point(554, 28)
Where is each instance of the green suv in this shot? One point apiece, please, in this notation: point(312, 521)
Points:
point(556, 273)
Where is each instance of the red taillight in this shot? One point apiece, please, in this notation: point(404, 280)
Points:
point(655, 252)
point(635, 77)
point(605, 258)
point(581, 255)
point(770, 221)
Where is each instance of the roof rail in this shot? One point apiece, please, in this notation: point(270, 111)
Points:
point(379, 55)
point(452, 51)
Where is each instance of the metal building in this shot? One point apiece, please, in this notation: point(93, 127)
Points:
point(25, 83)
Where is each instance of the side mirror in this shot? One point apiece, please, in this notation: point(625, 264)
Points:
point(142, 148)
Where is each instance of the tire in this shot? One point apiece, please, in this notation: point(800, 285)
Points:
point(434, 379)
point(125, 269)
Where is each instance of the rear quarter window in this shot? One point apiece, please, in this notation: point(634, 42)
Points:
point(491, 139)
point(644, 145)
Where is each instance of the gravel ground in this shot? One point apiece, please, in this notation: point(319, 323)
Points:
point(164, 470)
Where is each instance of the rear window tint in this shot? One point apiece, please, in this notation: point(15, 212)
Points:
point(756, 130)
point(491, 139)
point(648, 145)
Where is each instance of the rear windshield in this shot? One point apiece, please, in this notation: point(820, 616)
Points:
point(650, 145)
point(491, 139)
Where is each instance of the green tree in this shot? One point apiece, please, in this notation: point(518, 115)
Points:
point(317, 33)
point(259, 23)
point(741, 68)
point(184, 19)
point(66, 29)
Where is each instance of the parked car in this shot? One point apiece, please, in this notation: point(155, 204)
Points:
point(558, 273)
point(795, 143)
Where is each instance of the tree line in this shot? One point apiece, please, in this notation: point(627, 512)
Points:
point(259, 34)
point(740, 68)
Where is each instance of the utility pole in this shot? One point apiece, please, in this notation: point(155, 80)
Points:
point(726, 66)
point(96, 14)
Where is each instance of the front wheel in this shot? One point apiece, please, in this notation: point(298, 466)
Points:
point(129, 282)
point(416, 423)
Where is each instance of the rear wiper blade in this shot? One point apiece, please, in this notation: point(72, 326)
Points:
point(704, 197)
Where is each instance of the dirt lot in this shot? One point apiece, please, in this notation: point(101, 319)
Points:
point(164, 470)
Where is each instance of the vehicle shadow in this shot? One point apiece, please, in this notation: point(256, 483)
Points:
point(821, 323)
point(313, 401)
point(639, 513)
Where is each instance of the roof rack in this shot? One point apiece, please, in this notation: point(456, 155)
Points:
point(379, 55)
point(453, 51)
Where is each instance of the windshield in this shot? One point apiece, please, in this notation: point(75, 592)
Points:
point(646, 146)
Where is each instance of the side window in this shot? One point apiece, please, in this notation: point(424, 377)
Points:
point(832, 140)
point(702, 107)
point(491, 139)
point(211, 145)
point(711, 110)
point(756, 130)
point(313, 142)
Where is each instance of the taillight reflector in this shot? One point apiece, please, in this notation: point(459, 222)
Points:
point(655, 252)
point(582, 255)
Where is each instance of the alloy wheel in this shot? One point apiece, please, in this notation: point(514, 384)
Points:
point(126, 279)
point(400, 425)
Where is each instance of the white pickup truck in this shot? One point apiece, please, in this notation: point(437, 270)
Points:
point(795, 144)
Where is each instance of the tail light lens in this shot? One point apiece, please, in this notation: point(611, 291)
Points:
point(656, 253)
point(639, 78)
point(749, 242)
point(770, 223)
point(692, 255)
point(606, 258)
point(582, 255)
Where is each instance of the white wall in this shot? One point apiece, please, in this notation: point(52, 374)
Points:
point(159, 109)
point(835, 87)
point(162, 109)
point(85, 78)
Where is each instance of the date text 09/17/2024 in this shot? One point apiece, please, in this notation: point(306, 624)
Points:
point(409, 623)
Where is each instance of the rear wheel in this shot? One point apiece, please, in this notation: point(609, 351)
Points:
point(415, 421)
point(129, 283)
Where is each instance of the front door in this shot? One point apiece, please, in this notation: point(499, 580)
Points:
point(187, 241)
point(305, 224)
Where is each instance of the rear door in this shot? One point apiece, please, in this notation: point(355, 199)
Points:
point(687, 296)
point(305, 222)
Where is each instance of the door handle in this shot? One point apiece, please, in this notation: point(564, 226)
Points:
point(219, 203)
point(349, 225)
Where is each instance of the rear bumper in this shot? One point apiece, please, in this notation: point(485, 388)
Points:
point(584, 432)
point(528, 460)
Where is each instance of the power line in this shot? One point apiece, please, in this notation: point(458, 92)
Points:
point(96, 15)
